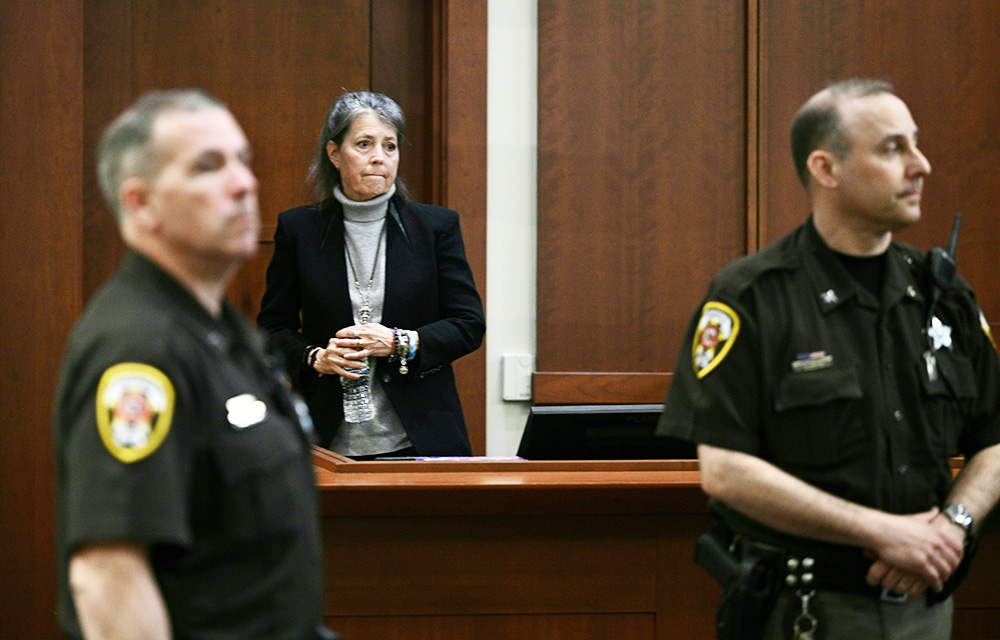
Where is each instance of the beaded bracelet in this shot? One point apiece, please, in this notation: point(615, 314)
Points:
point(398, 347)
point(401, 349)
point(412, 340)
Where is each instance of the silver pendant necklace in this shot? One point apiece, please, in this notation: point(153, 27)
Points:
point(365, 312)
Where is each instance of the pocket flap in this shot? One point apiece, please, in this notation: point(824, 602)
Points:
point(816, 388)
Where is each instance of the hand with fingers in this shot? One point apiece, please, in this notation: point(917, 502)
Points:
point(920, 550)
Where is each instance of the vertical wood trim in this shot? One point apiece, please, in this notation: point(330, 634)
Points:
point(108, 64)
point(754, 191)
point(462, 85)
point(438, 90)
point(763, 109)
point(403, 67)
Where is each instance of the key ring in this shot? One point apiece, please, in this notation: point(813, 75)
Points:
point(804, 626)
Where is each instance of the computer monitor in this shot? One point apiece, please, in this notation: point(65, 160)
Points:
point(599, 432)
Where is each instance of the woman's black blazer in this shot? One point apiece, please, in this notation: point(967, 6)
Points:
point(428, 287)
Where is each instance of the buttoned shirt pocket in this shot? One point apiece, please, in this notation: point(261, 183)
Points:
point(260, 468)
point(819, 418)
point(948, 386)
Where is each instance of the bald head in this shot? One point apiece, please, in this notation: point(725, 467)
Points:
point(819, 123)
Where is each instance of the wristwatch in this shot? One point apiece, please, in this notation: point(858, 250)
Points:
point(960, 515)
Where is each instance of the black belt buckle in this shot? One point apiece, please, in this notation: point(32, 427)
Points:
point(891, 597)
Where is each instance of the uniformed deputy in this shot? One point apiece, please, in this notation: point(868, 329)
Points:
point(186, 498)
point(827, 380)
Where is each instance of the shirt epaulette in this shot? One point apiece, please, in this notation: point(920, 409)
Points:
point(741, 274)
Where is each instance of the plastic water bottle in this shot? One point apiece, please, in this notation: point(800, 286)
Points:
point(358, 405)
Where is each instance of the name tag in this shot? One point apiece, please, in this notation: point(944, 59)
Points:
point(245, 410)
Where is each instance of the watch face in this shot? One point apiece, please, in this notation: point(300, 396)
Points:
point(959, 515)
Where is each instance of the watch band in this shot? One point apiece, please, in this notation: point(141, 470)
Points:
point(960, 515)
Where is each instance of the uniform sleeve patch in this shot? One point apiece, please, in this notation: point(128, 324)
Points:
point(135, 404)
point(986, 330)
point(714, 337)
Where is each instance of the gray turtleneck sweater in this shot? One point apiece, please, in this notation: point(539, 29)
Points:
point(364, 249)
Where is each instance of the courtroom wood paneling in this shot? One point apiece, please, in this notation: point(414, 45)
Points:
point(977, 610)
point(457, 565)
point(976, 624)
point(40, 250)
point(664, 153)
point(460, 97)
point(108, 57)
point(980, 589)
point(459, 549)
point(942, 59)
point(684, 591)
point(599, 388)
point(401, 67)
point(596, 549)
point(641, 175)
point(505, 627)
point(275, 65)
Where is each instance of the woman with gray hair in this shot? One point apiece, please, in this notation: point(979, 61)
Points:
point(370, 296)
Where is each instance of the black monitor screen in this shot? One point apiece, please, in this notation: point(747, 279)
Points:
point(599, 432)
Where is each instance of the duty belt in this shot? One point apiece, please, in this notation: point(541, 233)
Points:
point(807, 572)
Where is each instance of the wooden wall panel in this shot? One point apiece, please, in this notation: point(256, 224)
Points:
point(636, 626)
point(275, 65)
point(401, 67)
point(942, 59)
point(643, 192)
point(599, 388)
point(460, 97)
point(641, 175)
point(504, 550)
point(40, 251)
point(433, 558)
point(108, 58)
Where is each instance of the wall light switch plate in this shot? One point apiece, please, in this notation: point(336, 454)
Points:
point(517, 370)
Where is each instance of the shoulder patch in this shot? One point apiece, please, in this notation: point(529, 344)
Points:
point(135, 404)
point(714, 337)
point(986, 329)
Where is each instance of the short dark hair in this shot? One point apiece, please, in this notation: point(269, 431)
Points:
point(818, 123)
point(338, 122)
point(125, 149)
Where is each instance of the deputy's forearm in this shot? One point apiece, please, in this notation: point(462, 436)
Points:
point(783, 502)
point(978, 484)
point(116, 595)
